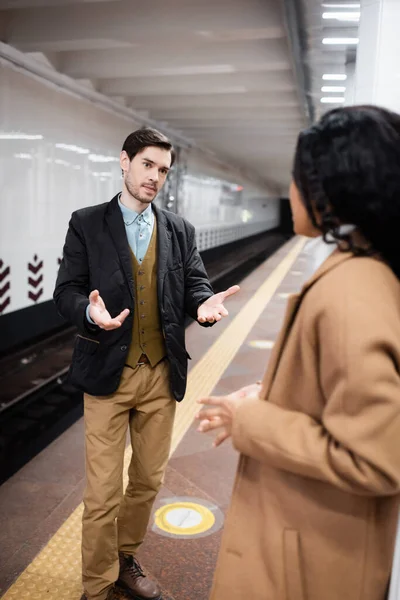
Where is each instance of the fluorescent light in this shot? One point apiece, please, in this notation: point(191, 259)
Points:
point(333, 88)
point(100, 158)
point(332, 100)
point(72, 148)
point(330, 5)
point(19, 136)
point(342, 16)
point(195, 70)
point(340, 41)
point(334, 77)
point(23, 155)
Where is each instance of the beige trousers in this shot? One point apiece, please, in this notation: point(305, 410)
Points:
point(113, 521)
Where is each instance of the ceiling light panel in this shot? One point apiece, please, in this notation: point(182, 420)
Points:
point(332, 100)
point(333, 88)
point(341, 16)
point(342, 5)
point(334, 77)
point(340, 41)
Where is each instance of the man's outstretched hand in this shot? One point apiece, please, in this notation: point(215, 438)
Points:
point(213, 309)
point(100, 315)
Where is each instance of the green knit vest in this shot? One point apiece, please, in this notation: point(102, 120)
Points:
point(147, 335)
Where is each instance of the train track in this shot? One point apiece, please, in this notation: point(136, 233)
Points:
point(36, 402)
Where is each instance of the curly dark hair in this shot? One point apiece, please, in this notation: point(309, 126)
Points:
point(347, 170)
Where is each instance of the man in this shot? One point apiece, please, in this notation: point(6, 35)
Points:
point(129, 273)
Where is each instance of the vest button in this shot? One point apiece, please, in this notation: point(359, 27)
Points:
point(142, 332)
point(123, 348)
point(142, 316)
point(141, 272)
point(144, 345)
point(141, 302)
point(141, 287)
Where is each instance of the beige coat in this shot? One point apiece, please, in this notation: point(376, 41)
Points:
point(314, 508)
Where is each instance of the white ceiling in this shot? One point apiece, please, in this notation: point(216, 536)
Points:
point(321, 58)
point(219, 72)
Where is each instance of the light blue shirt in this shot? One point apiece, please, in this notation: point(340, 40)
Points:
point(139, 229)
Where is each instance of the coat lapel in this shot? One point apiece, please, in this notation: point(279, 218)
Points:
point(291, 310)
point(116, 226)
point(163, 242)
point(293, 305)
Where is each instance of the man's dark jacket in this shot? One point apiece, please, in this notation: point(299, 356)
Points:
point(97, 256)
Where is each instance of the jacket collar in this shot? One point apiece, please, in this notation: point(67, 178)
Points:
point(163, 241)
point(294, 301)
point(115, 222)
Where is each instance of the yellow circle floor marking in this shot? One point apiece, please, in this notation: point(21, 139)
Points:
point(184, 518)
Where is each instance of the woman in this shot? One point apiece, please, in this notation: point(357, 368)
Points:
point(315, 503)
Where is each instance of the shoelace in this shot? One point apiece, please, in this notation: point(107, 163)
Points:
point(135, 569)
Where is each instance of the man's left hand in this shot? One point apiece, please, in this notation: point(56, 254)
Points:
point(213, 309)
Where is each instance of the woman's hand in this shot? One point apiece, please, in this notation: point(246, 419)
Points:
point(222, 413)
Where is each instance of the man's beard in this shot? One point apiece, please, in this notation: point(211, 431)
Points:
point(134, 191)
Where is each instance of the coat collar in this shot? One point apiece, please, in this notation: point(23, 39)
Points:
point(163, 241)
point(335, 259)
point(163, 238)
point(116, 225)
point(294, 301)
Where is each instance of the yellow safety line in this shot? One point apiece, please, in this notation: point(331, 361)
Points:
point(55, 572)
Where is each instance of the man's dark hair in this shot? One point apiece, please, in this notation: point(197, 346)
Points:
point(347, 169)
point(145, 137)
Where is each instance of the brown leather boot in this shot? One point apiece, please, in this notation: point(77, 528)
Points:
point(113, 594)
point(133, 580)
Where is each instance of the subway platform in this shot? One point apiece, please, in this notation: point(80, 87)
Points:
point(40, 506)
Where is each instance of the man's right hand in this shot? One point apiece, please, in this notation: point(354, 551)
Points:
point(100, 315)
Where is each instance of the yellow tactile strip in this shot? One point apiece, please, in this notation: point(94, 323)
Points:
point(55, 573)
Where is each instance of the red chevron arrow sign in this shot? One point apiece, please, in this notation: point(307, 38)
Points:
point(35, 297)
point(4, 274)
point(3, 305)
point(4, 289)
point(34, 267)
point(35, 282)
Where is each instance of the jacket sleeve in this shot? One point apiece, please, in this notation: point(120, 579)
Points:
point(356, 444)
point(71, 294)
point(197, 285)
